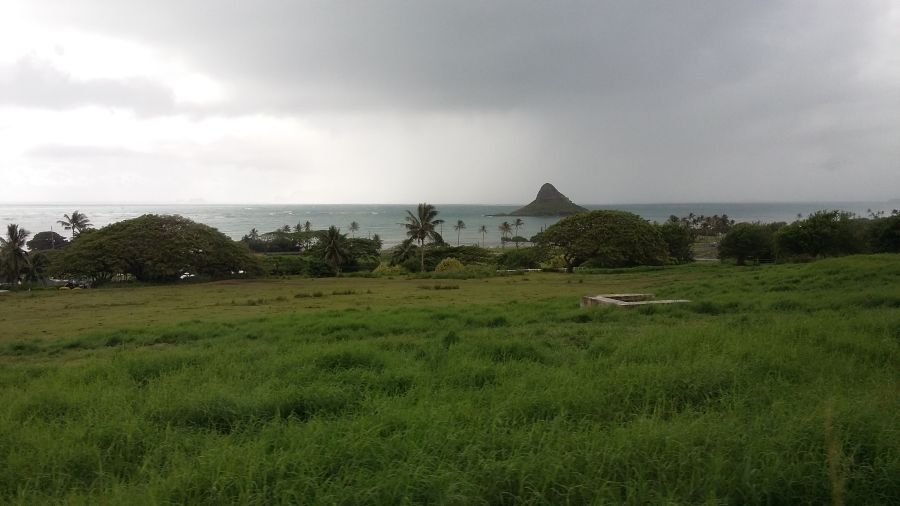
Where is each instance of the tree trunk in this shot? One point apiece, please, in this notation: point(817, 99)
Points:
point(422, 256)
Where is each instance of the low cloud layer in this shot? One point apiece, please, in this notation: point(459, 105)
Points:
point(396, 101)
point(32, 83)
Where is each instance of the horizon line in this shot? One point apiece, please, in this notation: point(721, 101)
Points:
point(711, 202)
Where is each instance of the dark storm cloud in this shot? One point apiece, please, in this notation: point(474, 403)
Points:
point(638, 100)
point(30, 82)
point(401, 54)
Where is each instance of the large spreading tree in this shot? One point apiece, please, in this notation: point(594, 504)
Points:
point(604, 239)
point(46, 241)
point(154, 248)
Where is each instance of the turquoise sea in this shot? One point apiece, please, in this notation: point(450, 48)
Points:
point(386, 219)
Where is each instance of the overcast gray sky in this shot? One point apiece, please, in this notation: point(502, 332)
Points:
point(448, 102)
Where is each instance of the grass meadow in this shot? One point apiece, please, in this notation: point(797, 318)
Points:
point(778, 384)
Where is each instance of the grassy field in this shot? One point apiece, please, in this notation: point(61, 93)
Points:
point(706, 247)
point(777, 385)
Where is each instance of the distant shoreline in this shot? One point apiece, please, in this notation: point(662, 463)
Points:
point(895, 200)
point(236, 220)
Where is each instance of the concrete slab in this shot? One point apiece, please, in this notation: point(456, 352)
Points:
point(625, 300)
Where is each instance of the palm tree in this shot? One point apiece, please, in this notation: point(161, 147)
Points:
point(77, 223)
point(36, 268)
point(518, 223)
point(458, 227)
point(307, 227)
point(334, 248)
point(354, 227)
point(253, 235)
point(505, 228)
point(13, 257)
point(483, 231)
point(421, 226)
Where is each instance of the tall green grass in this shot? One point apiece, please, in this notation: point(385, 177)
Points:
point(777, 384)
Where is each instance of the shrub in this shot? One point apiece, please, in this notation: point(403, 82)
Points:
point(523, 258)
point(385, 269)
point(449, 264)
point(408, 256)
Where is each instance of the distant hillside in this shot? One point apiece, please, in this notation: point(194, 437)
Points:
point(549, 202)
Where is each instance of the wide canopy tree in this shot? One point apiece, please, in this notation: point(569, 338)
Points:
point(46, 240)
point(155, 248)
point(605, 239)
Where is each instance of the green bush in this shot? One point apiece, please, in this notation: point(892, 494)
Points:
point(522, 258)
point(449, 265)
point(385, 269)
point(468, 255)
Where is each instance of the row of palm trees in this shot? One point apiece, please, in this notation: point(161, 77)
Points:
point(302, 227)
point(506, 229)
point(422, 226)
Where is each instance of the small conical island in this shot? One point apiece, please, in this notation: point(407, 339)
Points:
point(549, 202)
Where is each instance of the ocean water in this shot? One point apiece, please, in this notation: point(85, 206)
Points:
point(386, 220)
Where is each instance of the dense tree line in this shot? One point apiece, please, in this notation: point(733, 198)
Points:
point(166, 248)
point(821, 234)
